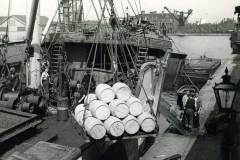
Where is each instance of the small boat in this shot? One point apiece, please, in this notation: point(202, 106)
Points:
point(198, 71)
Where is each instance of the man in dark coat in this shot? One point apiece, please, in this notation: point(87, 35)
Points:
point(13, 80)
point(79, 93)
point(189, 111)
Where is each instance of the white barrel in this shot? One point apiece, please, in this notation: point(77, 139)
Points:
point(131, 124)
point(79, 115)
point(119, 108)
point(135, 106)
point(89, 98)
point(147, 122)
point(99, 109)
point(105, 93)
point(114, 126)
point(79, 108)
point(122, 91)
point(94, 128)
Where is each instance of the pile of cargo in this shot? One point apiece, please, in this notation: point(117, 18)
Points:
point(113, 110)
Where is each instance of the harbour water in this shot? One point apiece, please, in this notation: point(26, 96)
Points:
point(210, 45)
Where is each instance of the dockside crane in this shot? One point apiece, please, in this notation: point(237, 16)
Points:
point(180, 16)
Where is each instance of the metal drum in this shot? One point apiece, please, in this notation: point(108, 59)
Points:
point(63, 102)
point(62, 108)
point(33, 99)
point(10, 95)
point(27, 107)
point(62, 114)
point(7, 104)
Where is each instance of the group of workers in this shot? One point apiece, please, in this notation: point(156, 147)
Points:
point(77, 92)
point(191, 106)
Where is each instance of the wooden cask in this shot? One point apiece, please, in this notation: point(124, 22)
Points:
point(122, 91)
point(135, 106)
point(99, 109)
point(89, 98)
point(94, 128)
point(119, 108)
point(114, 126)
point(147, 122)
point(131, 124)
point(79, 114)
point(105, 93)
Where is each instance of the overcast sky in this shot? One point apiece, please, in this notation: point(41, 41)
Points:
point(208, 10)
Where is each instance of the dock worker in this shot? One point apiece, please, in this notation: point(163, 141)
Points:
point(197, 108)
point(79, 93)
point(45, 81)
point(189, 111)
point(86, 80)
point(13, 80)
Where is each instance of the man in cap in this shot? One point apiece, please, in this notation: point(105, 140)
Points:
point(79, 93)
point(45, 81)
point(13, 80)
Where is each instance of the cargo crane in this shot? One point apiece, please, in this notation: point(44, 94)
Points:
point(180, 16)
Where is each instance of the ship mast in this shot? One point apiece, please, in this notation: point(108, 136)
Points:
point(33, 40)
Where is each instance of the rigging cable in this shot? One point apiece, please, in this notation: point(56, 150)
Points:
point(8, 17)
point(93, 63)
point(88, 11)
point(133, 10)
point(137, 7)
point(123, 9)
point(140, 6)
point(134, 65)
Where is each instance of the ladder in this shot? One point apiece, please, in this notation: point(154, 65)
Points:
point(58, 58)
point(142, 56)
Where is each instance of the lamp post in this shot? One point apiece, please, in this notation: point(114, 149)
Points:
point(225, 93)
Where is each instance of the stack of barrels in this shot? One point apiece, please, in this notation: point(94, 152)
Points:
point(113, 110)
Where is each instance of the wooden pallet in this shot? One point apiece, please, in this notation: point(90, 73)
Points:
point(15, 122)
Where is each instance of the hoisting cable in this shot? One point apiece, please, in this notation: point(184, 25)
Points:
point(133, 10)
point(118, 59)
point(130, 55)
point(122, 37)
point(190, 80)
point(123, 9)
point(137, 7)
point(9, 11)
point(140, 6)
point(93, 64)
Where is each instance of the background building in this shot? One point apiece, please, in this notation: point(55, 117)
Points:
point(159, 18)
point(17, 26)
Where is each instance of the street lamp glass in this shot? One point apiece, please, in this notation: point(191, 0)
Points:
point(226, 98)
point(225, 93)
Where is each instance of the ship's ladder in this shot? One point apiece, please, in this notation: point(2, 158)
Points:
point(58, 59)
point(142, 56)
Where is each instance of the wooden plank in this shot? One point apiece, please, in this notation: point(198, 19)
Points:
point(47, 151)
point(172, 118)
